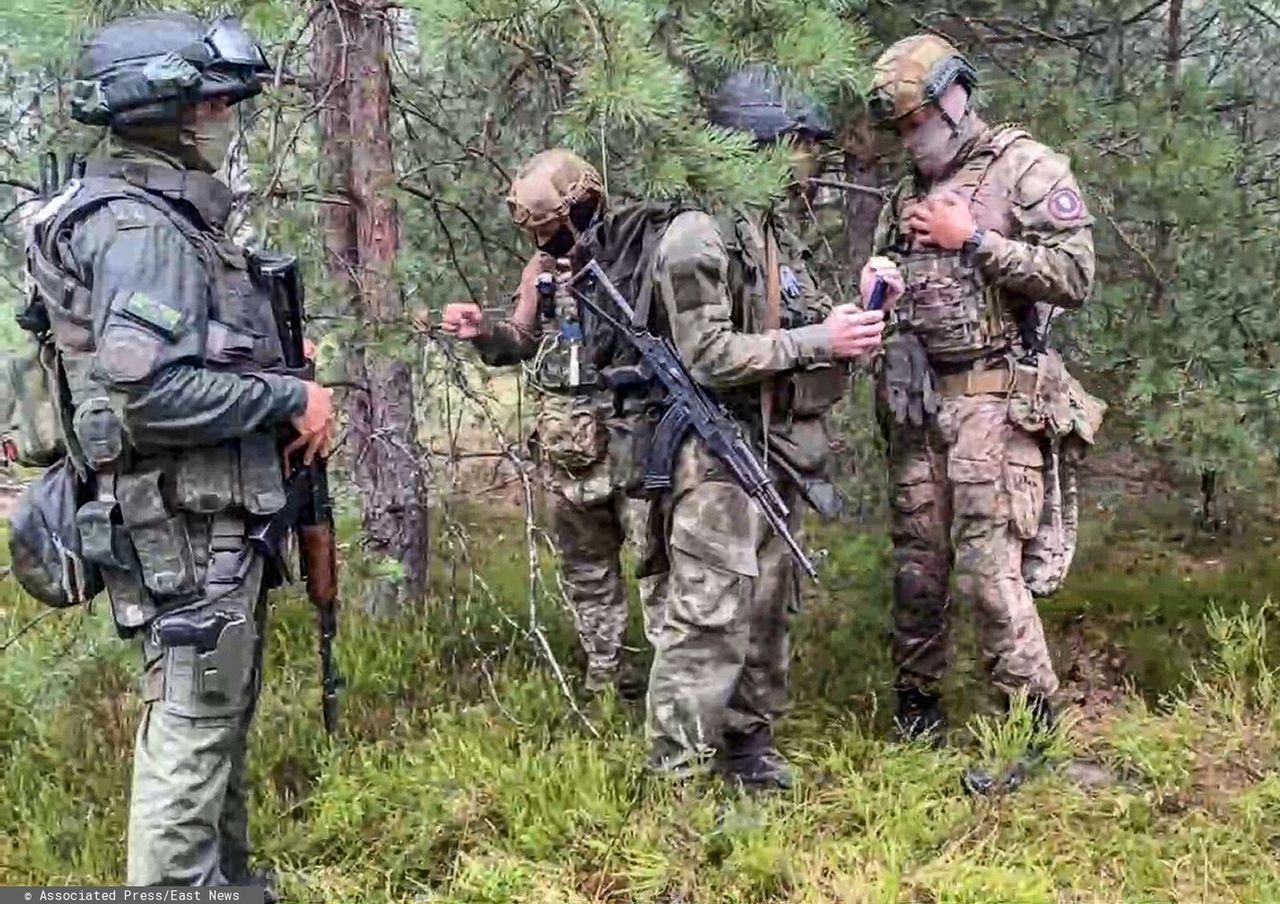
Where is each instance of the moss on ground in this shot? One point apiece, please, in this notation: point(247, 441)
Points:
point(461, 775)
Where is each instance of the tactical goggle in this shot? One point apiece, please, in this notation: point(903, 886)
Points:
point(227, 43)
point(881, 105)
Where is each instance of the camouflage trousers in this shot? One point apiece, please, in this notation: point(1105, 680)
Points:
point(591, 523)
point(188, 812)
point(967, 495)
point(721, 653)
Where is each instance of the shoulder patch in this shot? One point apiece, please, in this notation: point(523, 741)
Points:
point(692, 236)
point(154, 314)
point(1065, 205)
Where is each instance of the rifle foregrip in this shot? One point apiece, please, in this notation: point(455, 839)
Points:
point(319, 563)
point(667, 437)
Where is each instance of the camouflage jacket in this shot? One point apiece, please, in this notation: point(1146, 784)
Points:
point(709, 275)
point(1038, 247)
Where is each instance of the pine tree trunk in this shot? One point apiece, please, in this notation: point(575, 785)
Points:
point(862, 167)
point(361, 241)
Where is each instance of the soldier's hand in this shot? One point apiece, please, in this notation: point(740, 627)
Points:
point(464, 320)
point(943, 221)
point(540, 263)
point(854, 332)
point(314, 425)
point(881, 268)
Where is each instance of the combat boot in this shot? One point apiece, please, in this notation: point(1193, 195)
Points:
point(981, 782)
point(920, 717)
point(264, 879)
point(750, 760)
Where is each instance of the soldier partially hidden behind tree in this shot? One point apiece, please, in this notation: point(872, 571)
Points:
point(735, 297)
point(988, 235)
point(170, 362)
point(558, 198)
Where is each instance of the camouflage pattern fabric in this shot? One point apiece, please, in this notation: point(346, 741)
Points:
point(1038, 248)
point(968, 480)
point(969, 490)
point(721, 654)
point(591, 522)
point(912, 73)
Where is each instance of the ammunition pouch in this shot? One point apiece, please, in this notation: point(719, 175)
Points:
point(570, 434)
point(99, 432)
point(159, 536)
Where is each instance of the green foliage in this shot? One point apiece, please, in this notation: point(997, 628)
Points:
point(625, 80)
point(462, 776)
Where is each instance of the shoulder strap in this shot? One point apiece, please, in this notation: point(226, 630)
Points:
point(55, 283)
point(981, 162)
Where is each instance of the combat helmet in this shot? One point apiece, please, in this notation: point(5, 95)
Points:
point(754, 100)
point(913, 73)
point(555, 185)
point(146, 69)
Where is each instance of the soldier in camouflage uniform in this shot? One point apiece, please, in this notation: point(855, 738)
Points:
point(987, 234)
point(558, 197)
point(748, 321)
point(173, 369)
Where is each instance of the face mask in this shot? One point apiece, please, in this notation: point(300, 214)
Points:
point(560, 244)
point(932, 146)
point(207, 141)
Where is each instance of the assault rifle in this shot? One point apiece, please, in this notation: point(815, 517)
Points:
point(689, 407)
point(308, 510)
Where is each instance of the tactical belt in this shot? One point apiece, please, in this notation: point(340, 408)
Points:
point(986, 379)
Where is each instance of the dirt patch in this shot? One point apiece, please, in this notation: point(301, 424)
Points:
point(1094, 681)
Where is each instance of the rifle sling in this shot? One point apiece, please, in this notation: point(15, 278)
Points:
point(772, 320)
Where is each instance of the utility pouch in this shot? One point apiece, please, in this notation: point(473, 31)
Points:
point(208, 480)
point(813, 391)
point(103, 539)
point(261, 480)
point(160, 538)
point(637, 409)
point(570, 435)
point(99, 432)
point(907, 389)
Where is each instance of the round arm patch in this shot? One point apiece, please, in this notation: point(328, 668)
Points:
point(1065, 205)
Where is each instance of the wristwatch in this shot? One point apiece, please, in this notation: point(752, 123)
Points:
point(971, 244)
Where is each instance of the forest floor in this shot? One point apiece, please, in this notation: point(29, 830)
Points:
point(462, 774)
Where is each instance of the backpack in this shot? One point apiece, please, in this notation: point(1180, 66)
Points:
point(624, 243)
point(44, 540)
point(44, 536)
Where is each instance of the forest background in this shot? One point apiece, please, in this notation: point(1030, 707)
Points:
point(469, 769)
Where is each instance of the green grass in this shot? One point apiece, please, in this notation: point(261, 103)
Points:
point(461, 774)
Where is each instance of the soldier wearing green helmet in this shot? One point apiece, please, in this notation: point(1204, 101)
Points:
point(983, 240)
point(175, 395)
